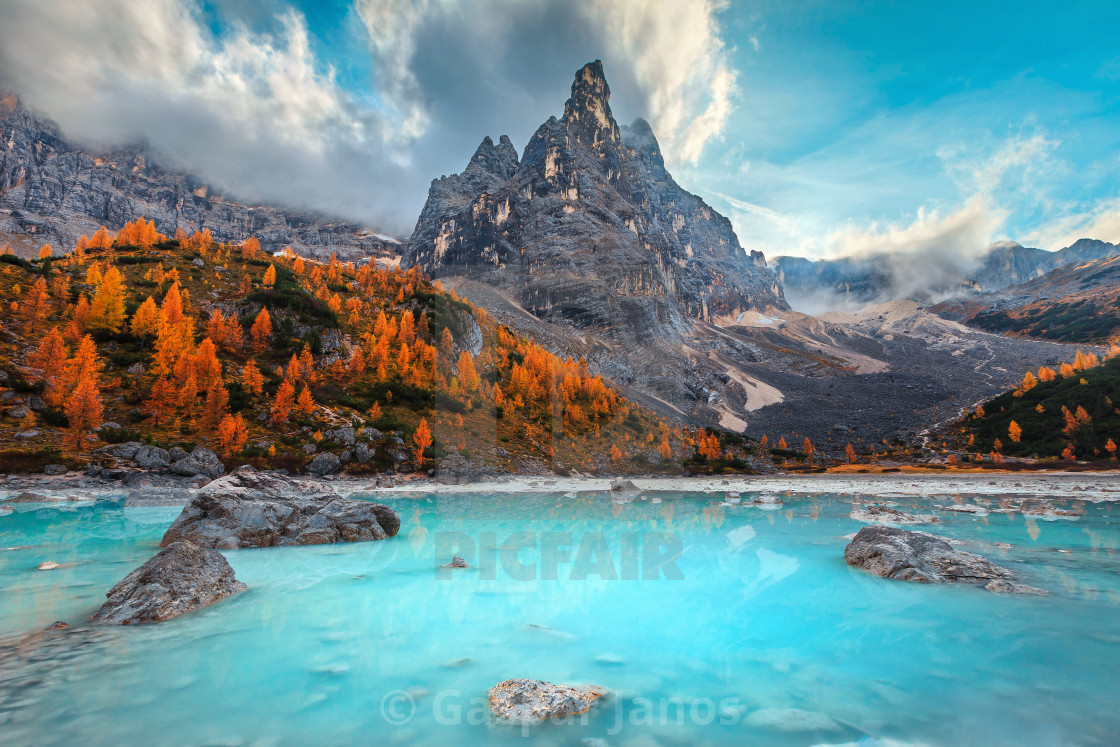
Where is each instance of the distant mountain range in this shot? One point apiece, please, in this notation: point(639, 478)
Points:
point(53, 190)
point(1076, 302)
point(858, 281)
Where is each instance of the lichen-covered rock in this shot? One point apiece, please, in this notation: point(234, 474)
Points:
point(905, 555)
point(533, 700)
point(200, 462)
point(180, 578)
point(247, 508)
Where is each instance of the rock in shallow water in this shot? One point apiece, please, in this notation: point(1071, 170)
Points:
point(917, 556)
point(534, 700)
point(180, 578)
point(248, 508)
point(885, 515)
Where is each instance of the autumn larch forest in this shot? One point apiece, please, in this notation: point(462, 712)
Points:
point(272, 360)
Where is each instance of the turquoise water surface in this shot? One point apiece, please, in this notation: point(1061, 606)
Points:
point(708, 624)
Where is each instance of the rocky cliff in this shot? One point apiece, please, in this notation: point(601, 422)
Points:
point(589, 229)
point(53, 190)
point(587, 243)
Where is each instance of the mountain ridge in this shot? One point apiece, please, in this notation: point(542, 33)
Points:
point(52, 190)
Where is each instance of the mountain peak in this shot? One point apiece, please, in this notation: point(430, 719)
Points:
point(587, 113)
point(500, 160)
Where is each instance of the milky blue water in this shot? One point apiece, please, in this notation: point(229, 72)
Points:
point(757, 633)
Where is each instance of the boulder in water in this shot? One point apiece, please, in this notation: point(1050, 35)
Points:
point(534, 700)
point(885, 515)
point(178, 579)
point(906, 555)
point(456, 562)
point(1044, 509)
point(247, 508)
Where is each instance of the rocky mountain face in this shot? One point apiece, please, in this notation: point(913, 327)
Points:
point(53, 190)
point(588, 232)
point(588, 228)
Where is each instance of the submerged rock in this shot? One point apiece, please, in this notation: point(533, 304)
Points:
point(248, 508)
point(180, 578)
point(917, 556)
point(158, 496)
point(5, 510)
point(884, 515)
point(1044, 509)
point(534, 700)
point(767, 501)
point(29, 497)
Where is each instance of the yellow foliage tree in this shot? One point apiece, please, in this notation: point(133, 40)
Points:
point(422, 438)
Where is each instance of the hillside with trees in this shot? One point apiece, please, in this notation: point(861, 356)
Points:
point(1072, 413)
point(274, 360)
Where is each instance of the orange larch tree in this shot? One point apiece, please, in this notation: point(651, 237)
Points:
point(282, 405)
point(107, 307)
point(251, 378)
point(233, 432)
point(305, 405)
point(83, 410)
point(262, 328)
point(422, 438)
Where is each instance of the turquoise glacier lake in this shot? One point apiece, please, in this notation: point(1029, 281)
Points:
point(708, 624)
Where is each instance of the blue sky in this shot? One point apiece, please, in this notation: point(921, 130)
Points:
point(819, 128)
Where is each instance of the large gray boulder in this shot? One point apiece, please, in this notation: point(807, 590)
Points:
point(200, 462)
point(180, 578)
point(324, 464)
point(905, 555)
point(152, 457)
point(533, 700)
point(248, 508)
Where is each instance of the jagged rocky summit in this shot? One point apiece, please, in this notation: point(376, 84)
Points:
point(588, 227)
point(589, 233)
point(52, 190)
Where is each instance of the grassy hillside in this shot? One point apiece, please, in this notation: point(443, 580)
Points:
point(182, 341)
point(1076, 411)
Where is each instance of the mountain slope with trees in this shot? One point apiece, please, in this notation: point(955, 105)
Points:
point(273, 360)
point(1071, 413)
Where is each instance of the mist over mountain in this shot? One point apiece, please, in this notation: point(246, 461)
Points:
point(927, 276)
point(53, 190)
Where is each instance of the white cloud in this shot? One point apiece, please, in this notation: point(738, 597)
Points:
point(679, 62)
point(1101, 221)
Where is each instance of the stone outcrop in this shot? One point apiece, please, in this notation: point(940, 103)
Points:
point(589, 232)
point(533, 700)
point(181, 578)
point(52, 190)
point(247, 508)
point(905, 555)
